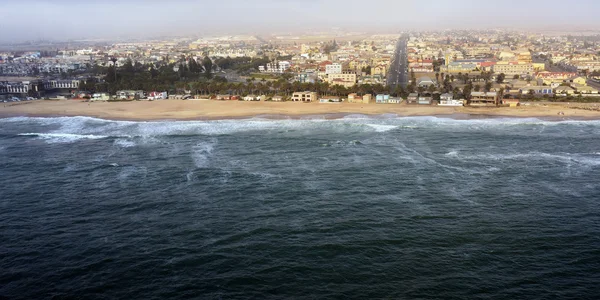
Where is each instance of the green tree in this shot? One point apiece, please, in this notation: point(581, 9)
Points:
point(487, 87)
point(207, 64)
point(500, 78)
point(467, 91)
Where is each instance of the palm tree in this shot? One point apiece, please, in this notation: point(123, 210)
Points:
point(114, 61)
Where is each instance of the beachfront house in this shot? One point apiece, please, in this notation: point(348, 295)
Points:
point(364, 99)
point(382, 98)
point(277, 98)
point(304, 97)
point(510, 102)
point(100, 97)
point(413, 98)
point(484, 99)
point(447, 99)
point(157, 95)
point(424, 100)
point(395, 100)
point(252, 98)
point(330, 100)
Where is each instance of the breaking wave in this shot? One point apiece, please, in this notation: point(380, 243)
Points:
point(77, 128)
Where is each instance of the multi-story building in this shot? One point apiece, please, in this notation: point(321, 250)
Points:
point(334, 68)
point(345, 79)
point(484, 98)
point(304, 96)
point(513, 68)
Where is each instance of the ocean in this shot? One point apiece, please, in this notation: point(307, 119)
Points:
point(383, 207)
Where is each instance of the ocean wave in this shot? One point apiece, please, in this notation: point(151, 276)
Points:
point(202, 152)
point(567, 158)
point(88, 126)
point(382, 127)
point(64, 137)
point(124, 143)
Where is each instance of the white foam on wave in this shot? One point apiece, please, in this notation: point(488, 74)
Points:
point(64, 137)
point(87, 126)
point(567, 158)
point(453, 153)
point(382, 127)
point(202, 152)
point(124, 143)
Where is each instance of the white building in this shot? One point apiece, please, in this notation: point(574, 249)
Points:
point(334, 68)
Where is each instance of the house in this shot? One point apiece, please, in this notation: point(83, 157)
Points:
point(511, 102)
point(330, 100)
point(364, 99)
point(586, 90)
point(381, 98)
point(304, 96)
point(223, 97)
point(564, 90)
point(447, 99)
point(157, 95)
point(425, 82)
point(484, 99)
point(423, 100)
point(129, 95)
point(277, 98)
point(251, 98)
point(395, 100)
point(539, 90)
point(100, 97)
point(579, 80)
point(413, 98)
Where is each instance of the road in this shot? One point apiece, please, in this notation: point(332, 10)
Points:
point(398, 73)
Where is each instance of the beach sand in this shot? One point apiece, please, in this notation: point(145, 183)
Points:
point(212, 109)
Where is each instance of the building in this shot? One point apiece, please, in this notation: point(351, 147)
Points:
point(412, 98)
point(425, 82)
point(564, 90)
point(484, 99)
point(345, 79)
point(354, 98)
point(330, 100)
point(579, 80)
point(251, 98)
point(586, 90)
point(395, 100)
point(277, 98)
point(381, 98)
point(157, 95)
point(304, 96)
point(538, 90)
point(423, 100)
point(513, 68)
point(553, 77)
point(100, 97)
point(130, 95)
point(447, 99)
point(334, 68)
point(510, 102)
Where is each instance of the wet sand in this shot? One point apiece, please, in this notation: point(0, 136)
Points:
point(211, 109)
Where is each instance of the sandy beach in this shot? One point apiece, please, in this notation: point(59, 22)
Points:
point(211, 109)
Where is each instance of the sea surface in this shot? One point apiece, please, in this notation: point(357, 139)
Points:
point(360, 207)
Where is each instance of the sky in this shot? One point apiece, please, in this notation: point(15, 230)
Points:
point(22, 20)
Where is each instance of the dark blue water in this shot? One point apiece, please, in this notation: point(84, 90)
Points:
point(363, 208)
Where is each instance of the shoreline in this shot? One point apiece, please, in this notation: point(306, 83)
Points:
point(211, 110)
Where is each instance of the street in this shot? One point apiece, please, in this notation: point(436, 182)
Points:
point(398, 70)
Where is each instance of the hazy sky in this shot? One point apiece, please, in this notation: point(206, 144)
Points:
point(67, 19)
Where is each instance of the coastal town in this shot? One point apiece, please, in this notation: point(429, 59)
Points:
point(490, 68)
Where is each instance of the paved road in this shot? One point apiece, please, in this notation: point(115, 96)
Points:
point(398, 73)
